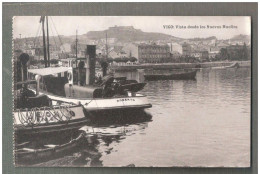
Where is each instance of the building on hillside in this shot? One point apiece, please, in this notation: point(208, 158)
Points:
point(222, 45)
point(122, 28)
point(153, 53)
point(200, 55)
point(147, 53)
point(186, 49)
point(65, 48)
point(131, 50)
point(54, 48)
point(175, 47)
point(175, 54)
point(117, 54)
point(196, 54)
point(109, 40)
point(212, 54)
point(214, 49)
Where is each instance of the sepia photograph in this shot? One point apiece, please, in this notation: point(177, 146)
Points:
point(132, 91)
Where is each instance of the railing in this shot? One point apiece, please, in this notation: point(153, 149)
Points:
point(44, 115)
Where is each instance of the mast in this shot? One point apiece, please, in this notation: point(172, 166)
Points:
point(48, 44)
point(106, 47)
point(43, 38)
point(76, 45)
point(79, 69)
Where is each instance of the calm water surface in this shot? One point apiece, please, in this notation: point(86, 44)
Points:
point(194, 123)
point(202, 122)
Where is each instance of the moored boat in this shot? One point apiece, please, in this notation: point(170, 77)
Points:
point(191, 75)
point(49, 119)
point(37, 113)
point(25, 155)
point(77, 84)
point(233, 65)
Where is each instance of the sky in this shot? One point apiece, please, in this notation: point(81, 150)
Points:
point(28, 26)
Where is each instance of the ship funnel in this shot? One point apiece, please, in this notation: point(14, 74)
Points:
point(91, 64)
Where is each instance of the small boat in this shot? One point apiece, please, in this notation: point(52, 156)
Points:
point(173, 76)
point(233, 65)
point(25, 155)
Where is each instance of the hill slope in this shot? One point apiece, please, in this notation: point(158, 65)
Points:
point(129, 34)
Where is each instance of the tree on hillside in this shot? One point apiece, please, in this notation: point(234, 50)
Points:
point(224, 54)
point(245, 52)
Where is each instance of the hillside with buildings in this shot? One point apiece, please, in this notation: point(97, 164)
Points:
point(241, 38)
point(121, 42)
point(129, 34)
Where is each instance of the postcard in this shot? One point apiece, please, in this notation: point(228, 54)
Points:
point(132, 91)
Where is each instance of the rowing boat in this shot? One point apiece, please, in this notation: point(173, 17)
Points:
point(49, 151)
point(173, 76)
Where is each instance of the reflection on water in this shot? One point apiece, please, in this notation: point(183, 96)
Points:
point(202, 122)
point(103, 133)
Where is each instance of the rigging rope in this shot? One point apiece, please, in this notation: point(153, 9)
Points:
point(53, 36)
point(57, 33)
point(38, 30)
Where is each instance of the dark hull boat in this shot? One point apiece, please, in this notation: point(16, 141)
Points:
point(31, 155)
point(174, 76)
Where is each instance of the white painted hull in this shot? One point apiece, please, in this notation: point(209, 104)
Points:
point(44, 120)
point(44, 115)
point(101, 104)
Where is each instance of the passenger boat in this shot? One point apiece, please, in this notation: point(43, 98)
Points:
point(191, 75)
point(112, 94)
point(77, 83)
point(25, 155)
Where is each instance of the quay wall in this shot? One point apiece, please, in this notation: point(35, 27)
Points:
point(178, 65)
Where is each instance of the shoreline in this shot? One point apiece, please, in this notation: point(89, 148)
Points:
point(180, 65)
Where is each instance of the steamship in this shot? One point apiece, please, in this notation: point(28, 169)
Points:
point(77, 83)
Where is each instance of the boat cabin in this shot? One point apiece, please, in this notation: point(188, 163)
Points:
point(78, 80)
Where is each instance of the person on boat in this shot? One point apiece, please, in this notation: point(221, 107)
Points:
point(107, 86)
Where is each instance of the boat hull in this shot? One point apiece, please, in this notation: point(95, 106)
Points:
point(24, 156)
point(178, 76)
point(41, 120)
point(95, 105)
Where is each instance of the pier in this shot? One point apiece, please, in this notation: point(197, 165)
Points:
point(126, 67)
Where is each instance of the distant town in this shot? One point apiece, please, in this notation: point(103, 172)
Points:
point(127, 44)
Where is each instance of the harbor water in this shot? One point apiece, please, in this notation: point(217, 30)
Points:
point(196, 123)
